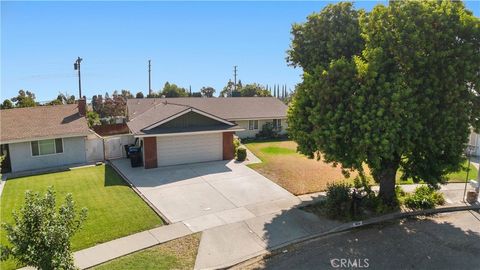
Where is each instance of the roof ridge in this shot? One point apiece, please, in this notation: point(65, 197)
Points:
point(38, 107)
point(155, 105)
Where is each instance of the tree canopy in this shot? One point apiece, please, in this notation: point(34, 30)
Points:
point(330, 34)
point(248, 90)
point(24, 99)
point(207, 91)
point(6, 104)
point(403, 96)
point(139, 95)
point(172, 90)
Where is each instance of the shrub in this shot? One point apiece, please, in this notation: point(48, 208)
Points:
point(267, 131)
point(241, 154)
point(41, 233)
point(236, 144)
point(338, 200)
point(424, 197)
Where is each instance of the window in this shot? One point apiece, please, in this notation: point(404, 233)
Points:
point(47, 147)
point(277, 123)
point(252, 124)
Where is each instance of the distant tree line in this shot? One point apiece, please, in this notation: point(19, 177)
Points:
point(27, 99)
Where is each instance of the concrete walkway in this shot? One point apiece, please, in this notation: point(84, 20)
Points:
point(230, 244)
point(122, 246)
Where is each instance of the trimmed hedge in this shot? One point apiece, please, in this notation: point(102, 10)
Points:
point(241, 153)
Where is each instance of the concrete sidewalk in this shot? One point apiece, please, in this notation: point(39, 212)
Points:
point(224, 246)
point(101, 253)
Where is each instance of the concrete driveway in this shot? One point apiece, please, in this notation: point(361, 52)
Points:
point(210, 194)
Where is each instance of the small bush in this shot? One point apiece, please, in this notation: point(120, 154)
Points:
point(267, 131)
point(236, 144)
point(424, 197)
point(338, 200)
point(241, 154)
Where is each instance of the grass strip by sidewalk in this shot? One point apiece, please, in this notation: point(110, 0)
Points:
point(176, 254)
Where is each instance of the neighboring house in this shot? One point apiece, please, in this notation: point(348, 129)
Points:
point(44, 136)
point(187, 130)
point(474, 140)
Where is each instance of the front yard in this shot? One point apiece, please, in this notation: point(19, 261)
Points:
point(114, 210)
point(300, 175)
point(291, 170)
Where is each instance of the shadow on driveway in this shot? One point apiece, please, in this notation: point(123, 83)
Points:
point(446, 241)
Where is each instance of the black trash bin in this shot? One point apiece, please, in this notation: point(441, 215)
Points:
point(135, 155)
point(127, 147)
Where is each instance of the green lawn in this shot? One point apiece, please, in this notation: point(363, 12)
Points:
point(175, 254)
point(114, 210)
point(456, 177)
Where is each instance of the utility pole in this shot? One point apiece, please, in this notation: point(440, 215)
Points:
point(234, 78)
point(149, 78)
point(76, 66)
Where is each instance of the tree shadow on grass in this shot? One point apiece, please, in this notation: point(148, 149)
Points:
point(112, 178)
point(446, 241)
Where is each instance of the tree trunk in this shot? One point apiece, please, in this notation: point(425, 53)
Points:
point(386, 177)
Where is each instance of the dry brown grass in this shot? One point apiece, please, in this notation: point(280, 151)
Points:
point(176, 254)
point(294, 172)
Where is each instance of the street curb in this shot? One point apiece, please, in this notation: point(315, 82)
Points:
point(353, 225)
point(132, 186)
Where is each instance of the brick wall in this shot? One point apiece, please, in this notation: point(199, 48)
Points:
point(228, 146)
point(150, 152)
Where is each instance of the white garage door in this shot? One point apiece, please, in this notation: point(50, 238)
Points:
point(184, 149)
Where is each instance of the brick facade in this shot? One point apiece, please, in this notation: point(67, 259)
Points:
point(228, 151)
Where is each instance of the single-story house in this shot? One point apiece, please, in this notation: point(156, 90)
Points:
point(43, 136)
point(186, 130)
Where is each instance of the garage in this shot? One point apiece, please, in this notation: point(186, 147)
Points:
point(183, 149)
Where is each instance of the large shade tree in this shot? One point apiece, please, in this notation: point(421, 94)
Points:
point(405, 99)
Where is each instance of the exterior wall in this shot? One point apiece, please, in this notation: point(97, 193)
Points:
point(251, 133)
point(228, 146)
point(22, 159)
point(114, 145)
point(191, 119)
point(150, 152)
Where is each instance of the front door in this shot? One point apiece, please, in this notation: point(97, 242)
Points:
point(5, 153)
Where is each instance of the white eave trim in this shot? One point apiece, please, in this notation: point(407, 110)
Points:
point(185, 112)
point(45, 138)
point(188, 133)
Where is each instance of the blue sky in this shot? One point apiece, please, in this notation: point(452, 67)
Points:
point(190, 43)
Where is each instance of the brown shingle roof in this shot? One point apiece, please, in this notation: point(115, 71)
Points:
point(154, 114)
point(227, 108)
point(32, 123)
point(146, 112)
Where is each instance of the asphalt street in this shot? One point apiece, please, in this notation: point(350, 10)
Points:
point(446, 241)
